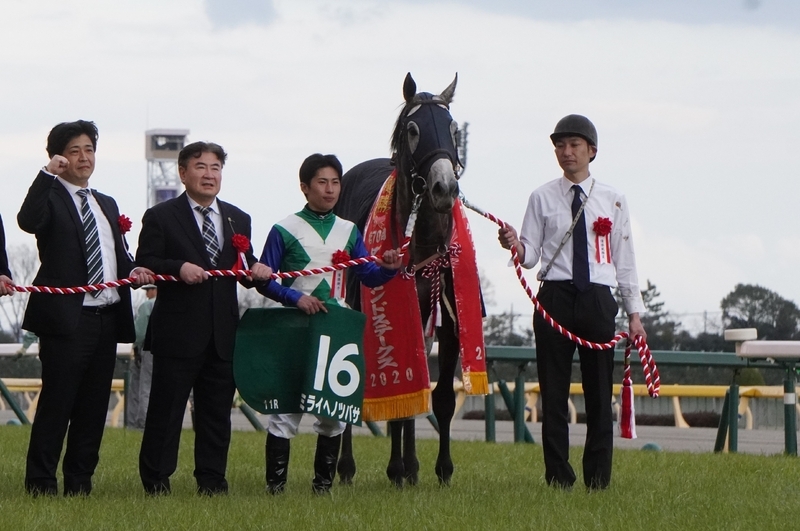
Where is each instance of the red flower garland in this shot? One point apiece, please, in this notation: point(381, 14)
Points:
point(340, 256)
point(124, 223)
point(602, 227)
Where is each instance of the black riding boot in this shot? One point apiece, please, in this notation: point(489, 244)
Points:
point(325, 463)
point(277, 463)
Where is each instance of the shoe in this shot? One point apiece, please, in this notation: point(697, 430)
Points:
point(39, 491)
point(157, 489)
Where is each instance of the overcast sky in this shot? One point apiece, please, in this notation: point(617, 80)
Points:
point(696, 106)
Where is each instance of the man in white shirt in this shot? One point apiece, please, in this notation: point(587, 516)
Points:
point(578, 273)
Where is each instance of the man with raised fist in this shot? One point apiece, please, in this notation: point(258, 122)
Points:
point(80, 243)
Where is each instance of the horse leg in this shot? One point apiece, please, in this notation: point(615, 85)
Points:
point(444, 397)
point(396, 469)
point(347, 463)
point(410, 461)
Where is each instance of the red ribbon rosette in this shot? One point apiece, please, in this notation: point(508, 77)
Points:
point(124, 223)
point(242, 244)
point(340, 256)
point(602, 245)
point(337, 280)
point(602, 227)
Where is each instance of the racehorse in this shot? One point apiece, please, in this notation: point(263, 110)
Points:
point(425, 155)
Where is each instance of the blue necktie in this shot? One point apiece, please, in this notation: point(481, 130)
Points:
point(94, 259)
point(209, 235)
point(580, 245)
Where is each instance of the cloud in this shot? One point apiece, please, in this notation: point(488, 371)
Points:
point(234, 13)
point(781, 13)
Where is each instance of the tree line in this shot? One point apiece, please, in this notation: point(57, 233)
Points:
point(746, 306)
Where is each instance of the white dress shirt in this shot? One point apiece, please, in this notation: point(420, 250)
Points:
point(107, 247)
point(549, 216)
point(216, 217)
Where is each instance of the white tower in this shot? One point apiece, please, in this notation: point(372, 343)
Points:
point(161, 150)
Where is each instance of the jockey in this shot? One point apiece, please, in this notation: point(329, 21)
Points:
point(315, 237)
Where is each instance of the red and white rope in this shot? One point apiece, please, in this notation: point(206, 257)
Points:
point(222, 272)
point(652, 378)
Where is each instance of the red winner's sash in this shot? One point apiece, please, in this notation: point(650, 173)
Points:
point(466, 284)
point(398, 384)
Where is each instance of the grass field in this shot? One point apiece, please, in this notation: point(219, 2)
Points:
point(495, 486)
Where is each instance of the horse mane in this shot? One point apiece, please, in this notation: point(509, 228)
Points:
point(397, 133)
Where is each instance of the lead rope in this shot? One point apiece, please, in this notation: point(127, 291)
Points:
point(651, 376)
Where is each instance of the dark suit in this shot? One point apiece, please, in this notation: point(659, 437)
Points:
point(77, 348)
point(192, 333)
point(4, 270)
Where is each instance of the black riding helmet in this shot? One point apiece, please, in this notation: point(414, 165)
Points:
point(576, 125)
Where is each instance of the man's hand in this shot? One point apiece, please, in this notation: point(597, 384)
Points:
point(635, 327)
point(142, 275)
point(311, 305)
point(57, 165)
point(5, 286)
point(192, 274)
point(391, 259)
point(507, 236)
point(260, 271)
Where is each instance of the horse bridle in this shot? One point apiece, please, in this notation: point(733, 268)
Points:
point(419, 185)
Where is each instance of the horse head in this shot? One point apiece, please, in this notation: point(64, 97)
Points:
point(424, 147)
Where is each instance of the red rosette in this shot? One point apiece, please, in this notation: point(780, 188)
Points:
point(340, 256)
point(124, 223)
point(602, 227)
point(241, 243)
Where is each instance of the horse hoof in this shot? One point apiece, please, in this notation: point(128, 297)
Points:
point(412, 472)
point(444, 471)
point(346, 470)
point(395, 473)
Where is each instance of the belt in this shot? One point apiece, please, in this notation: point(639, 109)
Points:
point(569, 282)
point(100, 310)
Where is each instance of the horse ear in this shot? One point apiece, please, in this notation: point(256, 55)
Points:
point(409, 88)
point(448, 93)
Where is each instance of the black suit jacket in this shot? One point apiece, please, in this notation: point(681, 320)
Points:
point(186, 316)
point(50, 214)
point(4, 270)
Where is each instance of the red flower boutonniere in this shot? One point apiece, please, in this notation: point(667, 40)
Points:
point(340, 256)
point(602, 226)
point(242, 244)
point(337, 281)
point(602, 245)
point(124, 223)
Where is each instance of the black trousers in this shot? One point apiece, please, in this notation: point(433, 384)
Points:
point(76, 385)
point(173, 378)
point(590, 315)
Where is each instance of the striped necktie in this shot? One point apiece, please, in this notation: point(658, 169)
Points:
point(209, 235)
point(94, 259)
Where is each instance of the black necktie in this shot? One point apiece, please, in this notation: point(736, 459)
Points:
point(94, 259)
point(209, 235)
point(580, 246)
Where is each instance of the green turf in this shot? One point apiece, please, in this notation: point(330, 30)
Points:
point(495, 486)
